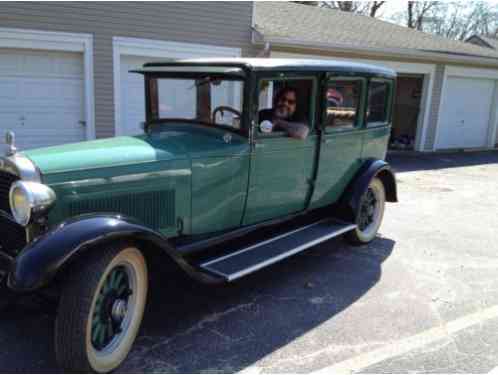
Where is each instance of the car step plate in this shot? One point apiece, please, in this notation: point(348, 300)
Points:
point(253, 258)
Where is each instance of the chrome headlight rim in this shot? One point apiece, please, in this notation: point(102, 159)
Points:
point(40, 198)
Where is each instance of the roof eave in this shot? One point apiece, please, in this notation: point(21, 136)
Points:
point(412, 54)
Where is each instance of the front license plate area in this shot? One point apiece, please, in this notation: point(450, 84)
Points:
point(5, 264)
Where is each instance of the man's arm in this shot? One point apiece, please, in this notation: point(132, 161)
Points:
point(296, 130)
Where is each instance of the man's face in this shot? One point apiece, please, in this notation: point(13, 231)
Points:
point(286, 106)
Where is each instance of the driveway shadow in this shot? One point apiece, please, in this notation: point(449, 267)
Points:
point(429, 161)
point(192, 328)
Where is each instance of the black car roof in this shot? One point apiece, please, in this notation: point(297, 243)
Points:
point(271, 64)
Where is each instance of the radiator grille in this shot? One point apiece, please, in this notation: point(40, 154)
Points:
point(13, 235)
point(6, 181)
point(156, 209)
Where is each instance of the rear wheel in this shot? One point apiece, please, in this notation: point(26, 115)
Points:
point(101, 310)
point(370, 215)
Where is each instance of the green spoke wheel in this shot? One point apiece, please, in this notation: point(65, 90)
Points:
point(370, 214)
point(101, 310)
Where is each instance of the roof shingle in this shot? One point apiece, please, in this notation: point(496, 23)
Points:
point(322, 25)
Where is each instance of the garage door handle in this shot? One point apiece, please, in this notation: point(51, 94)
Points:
point(82, 123)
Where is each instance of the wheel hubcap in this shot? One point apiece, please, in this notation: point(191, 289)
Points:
point(111, 308)
point(119, 310)
point(367, 210)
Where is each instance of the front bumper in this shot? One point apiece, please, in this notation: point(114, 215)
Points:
point(6, 263)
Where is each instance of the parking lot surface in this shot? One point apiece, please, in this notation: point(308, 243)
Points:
point(422, 297)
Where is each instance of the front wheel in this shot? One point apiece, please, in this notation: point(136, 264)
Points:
point(370, 214)
point(101, 309)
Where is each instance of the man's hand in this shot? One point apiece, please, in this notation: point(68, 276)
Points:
point(294, 129)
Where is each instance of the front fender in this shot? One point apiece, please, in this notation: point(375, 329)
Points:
point(40, 261)
point(371, 168)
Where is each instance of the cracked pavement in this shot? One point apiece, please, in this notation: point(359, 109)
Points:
point(435, 261)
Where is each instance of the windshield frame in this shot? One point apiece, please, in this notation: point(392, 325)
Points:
point(151, 120)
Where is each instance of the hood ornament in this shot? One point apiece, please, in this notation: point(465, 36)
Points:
point(10, 140)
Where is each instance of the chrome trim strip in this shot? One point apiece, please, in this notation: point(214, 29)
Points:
point(287, 254)
point(125, 178)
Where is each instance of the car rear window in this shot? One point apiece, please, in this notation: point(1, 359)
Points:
point(342, 103)
point(378, 95)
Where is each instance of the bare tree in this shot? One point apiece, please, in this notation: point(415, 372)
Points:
point(375, 6)
point(312, 3)
point(453, 19)
point(369, 8)
point(417, 10)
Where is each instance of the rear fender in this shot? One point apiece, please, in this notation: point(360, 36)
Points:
point(350, 201)
point(39, 263)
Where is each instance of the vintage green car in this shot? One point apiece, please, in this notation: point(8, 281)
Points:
point(242, 163)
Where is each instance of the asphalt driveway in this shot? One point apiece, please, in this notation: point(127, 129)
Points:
point(422, 297)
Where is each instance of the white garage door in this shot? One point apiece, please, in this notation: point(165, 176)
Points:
point(41, 97)
point(465, 113)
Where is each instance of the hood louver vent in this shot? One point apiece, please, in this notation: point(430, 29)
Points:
point(155, 209)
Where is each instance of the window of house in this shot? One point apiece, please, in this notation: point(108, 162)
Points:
point(378, 95)
point(342, 103)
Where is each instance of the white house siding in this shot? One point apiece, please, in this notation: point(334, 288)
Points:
point(225, 24)
point(434, 110)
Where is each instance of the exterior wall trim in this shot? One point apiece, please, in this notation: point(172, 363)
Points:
point(157, 49)
point(470, 73)
point(391, 53)
point(427, 70)
point(59, 41)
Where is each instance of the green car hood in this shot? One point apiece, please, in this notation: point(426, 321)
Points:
point(98, 154)
point(175, 143)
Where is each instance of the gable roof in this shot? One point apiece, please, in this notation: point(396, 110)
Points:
point(283, 21)
point(485, 41)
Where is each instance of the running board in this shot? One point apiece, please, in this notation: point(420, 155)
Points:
point(253, 258)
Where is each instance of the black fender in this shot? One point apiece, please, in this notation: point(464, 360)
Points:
point(370, 169)
point(39, 262)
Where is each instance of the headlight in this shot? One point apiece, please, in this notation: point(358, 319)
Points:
point(29, 200)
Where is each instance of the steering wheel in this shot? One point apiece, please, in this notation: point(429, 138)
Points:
point(222, 109)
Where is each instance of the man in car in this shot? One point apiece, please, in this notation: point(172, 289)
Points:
point(283, 115)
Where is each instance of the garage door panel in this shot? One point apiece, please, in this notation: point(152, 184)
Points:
point(44, 94)
point(9, 93)
point(465, 113)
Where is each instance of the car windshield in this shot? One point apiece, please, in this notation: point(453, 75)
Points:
point(208, 100)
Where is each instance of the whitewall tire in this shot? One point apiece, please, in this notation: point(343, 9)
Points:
point(371, 213)
point(101, 309)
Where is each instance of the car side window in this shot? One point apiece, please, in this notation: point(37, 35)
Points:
point(342, 104)
point(378, 97)
point(286, 99)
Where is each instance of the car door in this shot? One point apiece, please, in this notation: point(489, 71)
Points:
point(281, 167)
point(343, 103)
